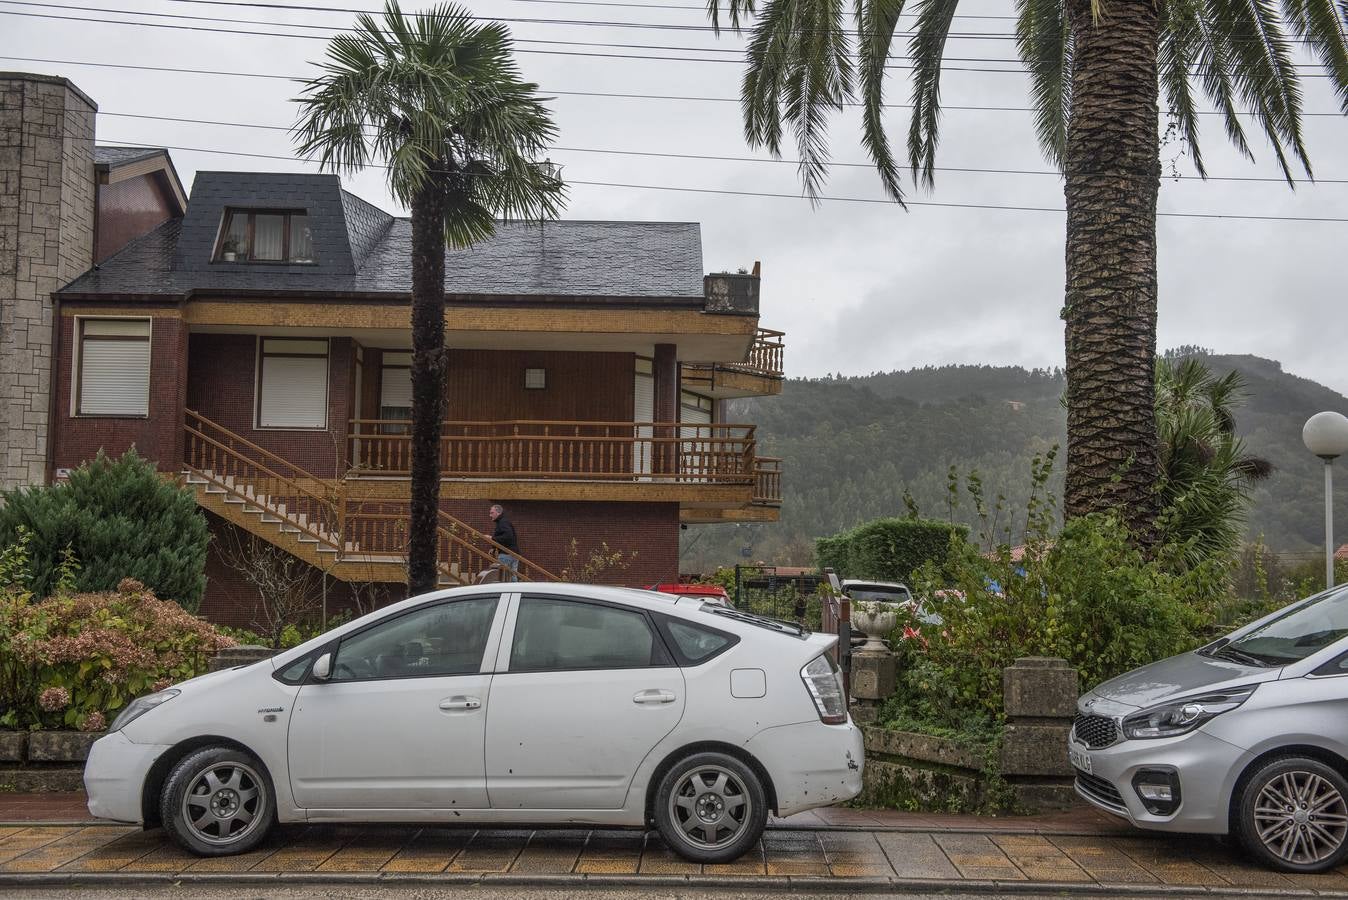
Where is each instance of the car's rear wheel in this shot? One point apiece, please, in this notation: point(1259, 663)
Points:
point(1293, 815)
point(217, 801)
point(711, 808)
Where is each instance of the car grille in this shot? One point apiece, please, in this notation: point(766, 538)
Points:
point(1095, 732)
point(1099, 790)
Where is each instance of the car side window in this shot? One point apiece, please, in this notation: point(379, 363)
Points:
point(1337, 666)
point(441, 639)
point(556, 635)
point(693, 643)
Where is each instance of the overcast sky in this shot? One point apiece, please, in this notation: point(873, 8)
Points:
point(858, 287)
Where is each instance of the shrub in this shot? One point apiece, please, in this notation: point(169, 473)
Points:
point(75, 660)
point(119, 519)
point(887, 549)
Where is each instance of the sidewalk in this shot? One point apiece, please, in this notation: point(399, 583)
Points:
point(1078, 853)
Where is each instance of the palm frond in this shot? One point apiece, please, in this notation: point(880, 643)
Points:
point(1044, 42)
point(1177, 57)
point(736, 10)
point(927, 49)
point(1325, 29)
point(876, 21)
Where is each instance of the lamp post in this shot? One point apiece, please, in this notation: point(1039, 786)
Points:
point(1326, 435)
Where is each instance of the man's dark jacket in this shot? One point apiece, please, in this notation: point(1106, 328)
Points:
point(505, 535)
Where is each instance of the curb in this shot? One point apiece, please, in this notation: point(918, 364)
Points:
point(806, 885)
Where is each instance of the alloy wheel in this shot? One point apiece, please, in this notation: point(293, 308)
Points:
point(223, 802)
point(711, 807)
point(1300, 817)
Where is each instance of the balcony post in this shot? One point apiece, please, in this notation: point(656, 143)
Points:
point(666, 407)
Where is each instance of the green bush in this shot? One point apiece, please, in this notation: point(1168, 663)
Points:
point(887, 549)
point(120, 519)
point(74, 660)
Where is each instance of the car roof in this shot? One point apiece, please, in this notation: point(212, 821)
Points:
point(859, 583)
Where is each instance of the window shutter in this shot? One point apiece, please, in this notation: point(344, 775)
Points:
point(294, 388)
point(643, 410)
point(115, 367)
point(395, 389)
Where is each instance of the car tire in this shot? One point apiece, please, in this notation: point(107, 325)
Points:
point(218, 801)
point(710, 808)
point(1292, 815)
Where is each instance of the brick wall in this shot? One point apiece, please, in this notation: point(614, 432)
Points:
point(158, 436)
point(46, 240)
point(220, 386)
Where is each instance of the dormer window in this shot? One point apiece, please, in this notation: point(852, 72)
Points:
point(266, 236)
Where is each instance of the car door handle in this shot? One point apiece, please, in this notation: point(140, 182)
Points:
point(461, 703)
point(654, 696)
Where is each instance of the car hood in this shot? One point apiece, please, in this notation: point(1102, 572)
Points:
point(1178, 676)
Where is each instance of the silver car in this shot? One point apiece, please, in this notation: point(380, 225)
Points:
point(1247, 736)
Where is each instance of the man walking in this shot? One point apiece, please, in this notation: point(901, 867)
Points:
point(505, 536)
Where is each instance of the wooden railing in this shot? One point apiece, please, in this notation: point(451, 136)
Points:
point(768, 481)
point(765, 355)
point(251, 473)
point(575, 451)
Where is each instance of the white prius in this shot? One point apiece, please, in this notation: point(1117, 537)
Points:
point(498, 704)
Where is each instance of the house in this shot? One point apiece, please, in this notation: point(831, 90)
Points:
point(254, 341)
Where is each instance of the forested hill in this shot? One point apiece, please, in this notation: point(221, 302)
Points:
point(852, 445)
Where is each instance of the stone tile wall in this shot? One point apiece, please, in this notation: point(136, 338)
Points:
point(46, 239)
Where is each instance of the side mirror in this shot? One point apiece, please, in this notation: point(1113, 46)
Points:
point(323, 667)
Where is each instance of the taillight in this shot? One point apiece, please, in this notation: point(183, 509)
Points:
point(823, 680)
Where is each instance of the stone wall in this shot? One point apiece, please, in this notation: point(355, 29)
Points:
point(46, 239)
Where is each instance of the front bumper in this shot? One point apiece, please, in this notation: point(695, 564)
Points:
point(1206, 766)
point(811, 764)
point(114, 777)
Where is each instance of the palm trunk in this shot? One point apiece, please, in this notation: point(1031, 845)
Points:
point(428, 383)
point(1112, 172)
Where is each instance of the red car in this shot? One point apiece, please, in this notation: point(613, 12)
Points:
point(712, 592)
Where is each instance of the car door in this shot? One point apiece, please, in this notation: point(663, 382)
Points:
point(586, 690)
point(399, 723)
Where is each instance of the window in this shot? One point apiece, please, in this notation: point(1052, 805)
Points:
point(565, 634)
point(694, 643)
point(395, 391)
point(292, 389)
point(535, 379)
point(442, 639)
point(265, 236)
point(113, 377)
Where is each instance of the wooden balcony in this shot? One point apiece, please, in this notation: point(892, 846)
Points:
point(704, 465)
point(760, 374)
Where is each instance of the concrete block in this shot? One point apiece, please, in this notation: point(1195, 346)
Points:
point(922, 747)
point(1040, 687)
point(13, 746)
point(731, 294)
point(1035, 750)
point(61, 746)
point(240, 656)
point(873, 675)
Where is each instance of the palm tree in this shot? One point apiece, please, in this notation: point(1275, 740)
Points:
point(437, 100)
point(1206, 475)
point(1096, 71)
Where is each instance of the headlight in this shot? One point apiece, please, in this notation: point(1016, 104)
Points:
point(1184, 715)
point(140, 706)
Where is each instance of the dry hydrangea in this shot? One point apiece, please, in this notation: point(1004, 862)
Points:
point(54, 699)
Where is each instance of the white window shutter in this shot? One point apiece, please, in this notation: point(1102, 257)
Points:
point(395, 388)
point(643, 410)
point(294, 392)
point(115, 378)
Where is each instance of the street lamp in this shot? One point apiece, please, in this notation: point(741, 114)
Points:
point(1326, 435)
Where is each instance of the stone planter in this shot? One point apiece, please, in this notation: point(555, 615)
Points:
point(61, 746)
point(13, 746)
point(873, 619)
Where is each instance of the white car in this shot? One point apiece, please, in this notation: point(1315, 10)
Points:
point(500, 704)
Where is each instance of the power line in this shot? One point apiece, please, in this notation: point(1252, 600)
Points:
point(738, 159)
point(733, 193)
point(604, 94)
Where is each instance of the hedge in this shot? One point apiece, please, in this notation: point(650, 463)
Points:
point(886, 549)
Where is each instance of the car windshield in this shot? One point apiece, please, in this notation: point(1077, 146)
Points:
point(882, 593)
point(1295, 634)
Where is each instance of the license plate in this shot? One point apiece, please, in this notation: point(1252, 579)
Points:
point(1080, 758)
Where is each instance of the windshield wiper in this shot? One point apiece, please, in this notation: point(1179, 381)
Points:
point(1229, 652)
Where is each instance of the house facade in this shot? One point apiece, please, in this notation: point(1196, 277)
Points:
point(253, 340)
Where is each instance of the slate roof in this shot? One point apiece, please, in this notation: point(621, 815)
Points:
point(363, 251)
point(120, 156)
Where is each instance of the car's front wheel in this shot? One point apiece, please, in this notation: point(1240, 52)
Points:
point(711, 808)
point(217, 801)
point(1293, 815)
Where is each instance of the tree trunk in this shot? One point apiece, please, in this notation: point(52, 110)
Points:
point(428, 383)
point(1112, 173)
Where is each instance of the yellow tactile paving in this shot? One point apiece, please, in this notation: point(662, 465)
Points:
point(794, 853)
point(751, 863)
point(1039, 859)
point(976, 856)
point(1103, 861)
point(916, 856)
point(550, 853)
point(117, 854)
point(307, 852)
point(854, 854)
point(611, 853)
point(490, 851)
point(658, 859)
point(26, 839)
point(430, 851)
point(368, 851)
point(1170, 861)
point(64, 849)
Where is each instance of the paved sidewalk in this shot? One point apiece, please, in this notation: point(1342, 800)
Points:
point(786, 859)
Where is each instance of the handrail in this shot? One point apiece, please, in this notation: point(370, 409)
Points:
point(235, 436)
point(768, 480)
point(765, 358)
point(526, 566)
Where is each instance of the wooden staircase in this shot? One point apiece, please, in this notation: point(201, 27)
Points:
point(313, 520)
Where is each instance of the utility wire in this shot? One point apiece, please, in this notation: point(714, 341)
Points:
point(697, 190)
point(605, 94)
point(737, 159)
